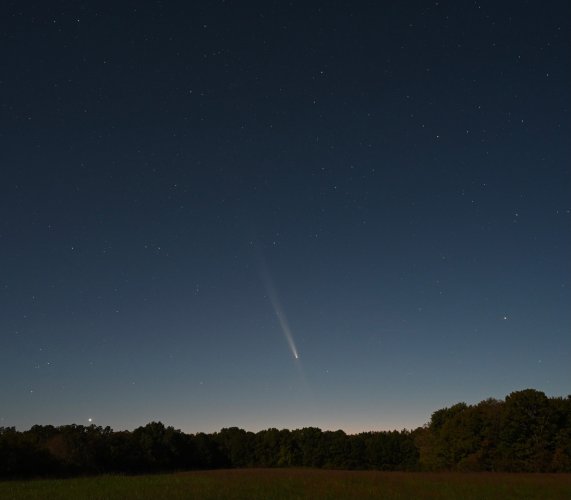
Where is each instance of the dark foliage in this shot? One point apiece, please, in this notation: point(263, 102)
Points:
point(526, 432)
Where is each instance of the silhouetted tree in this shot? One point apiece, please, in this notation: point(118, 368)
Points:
point(238, 445)
point(526, 432)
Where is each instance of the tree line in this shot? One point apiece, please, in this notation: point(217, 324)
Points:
point(525, 432)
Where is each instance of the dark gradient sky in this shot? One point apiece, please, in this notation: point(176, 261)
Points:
point(188, 190)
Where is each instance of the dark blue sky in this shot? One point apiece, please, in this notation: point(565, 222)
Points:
point(192, 192)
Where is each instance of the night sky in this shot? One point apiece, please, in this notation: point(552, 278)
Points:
point(281, 214)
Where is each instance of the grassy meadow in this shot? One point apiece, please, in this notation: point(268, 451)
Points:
point(269, 484)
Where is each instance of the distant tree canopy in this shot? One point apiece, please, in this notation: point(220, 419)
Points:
point(527, 432)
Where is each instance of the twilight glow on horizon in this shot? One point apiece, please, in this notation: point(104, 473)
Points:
point(344, 215)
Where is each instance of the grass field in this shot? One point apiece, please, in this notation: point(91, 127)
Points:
point(269, 484)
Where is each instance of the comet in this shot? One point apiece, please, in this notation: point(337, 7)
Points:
point(278, 309)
